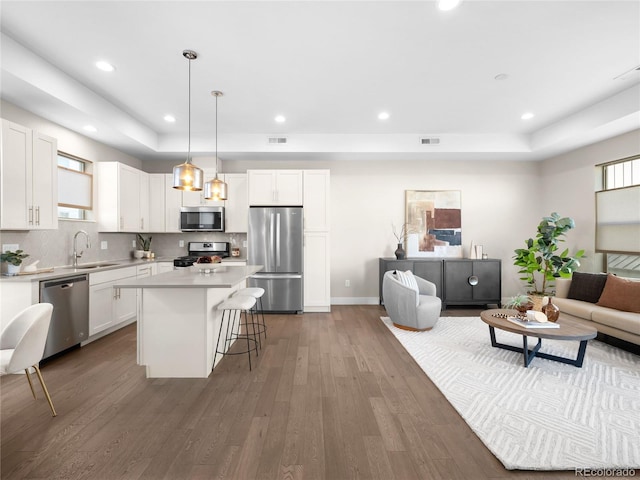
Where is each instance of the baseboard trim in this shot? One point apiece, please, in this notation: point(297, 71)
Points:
point(355, 301)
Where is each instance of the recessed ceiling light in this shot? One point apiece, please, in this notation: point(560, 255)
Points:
point(383, 116)
point(501, 76)
point(169, 118)
point(105, 66)
point(90, 128)
point(280, 118)
point(448, 4)
point(527, 116)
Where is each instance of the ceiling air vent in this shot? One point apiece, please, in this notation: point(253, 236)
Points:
point(429, 140)
point(277, 140)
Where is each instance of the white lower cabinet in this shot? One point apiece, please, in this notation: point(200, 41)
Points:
point(110, 306)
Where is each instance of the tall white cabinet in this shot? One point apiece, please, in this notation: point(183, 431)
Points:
point(29, 186)
point(317, 247)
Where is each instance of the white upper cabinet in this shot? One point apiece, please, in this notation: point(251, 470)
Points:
point(164, 204)
point(157, 202)
point(172, 202)
point(275, 187)
point(123, 198)
point(316, 200)
point(29, 186)
point(237, 204)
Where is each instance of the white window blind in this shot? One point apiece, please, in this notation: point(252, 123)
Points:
point(618, 220)
point(74, 189)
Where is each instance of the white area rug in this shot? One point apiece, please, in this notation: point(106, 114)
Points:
point(550, 416)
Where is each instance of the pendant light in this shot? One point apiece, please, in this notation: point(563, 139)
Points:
point(187, 176)
point(216, 189)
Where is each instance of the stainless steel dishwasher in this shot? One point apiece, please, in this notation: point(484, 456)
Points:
point(70, 321)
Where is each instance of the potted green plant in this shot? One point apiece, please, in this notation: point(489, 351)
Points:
point(541, 262)
point(520, 302)
point(13, 260)
point(145, 245)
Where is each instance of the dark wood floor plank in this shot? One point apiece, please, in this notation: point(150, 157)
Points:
point(331, 396)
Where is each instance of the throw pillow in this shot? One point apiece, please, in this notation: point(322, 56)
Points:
point(621, 294)
point(408, 280)
point(587, 286)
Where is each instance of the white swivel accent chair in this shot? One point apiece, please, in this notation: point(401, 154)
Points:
point(22, 344)
point(410, 301)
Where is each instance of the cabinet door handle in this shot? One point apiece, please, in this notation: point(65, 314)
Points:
point(473, 280)
point(31, 215)
point(37, 215)
point(115, 293)
point(142, 224)
point(121, 223)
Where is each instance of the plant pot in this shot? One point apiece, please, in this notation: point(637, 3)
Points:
point(13, 269)
point(138, 253)
point(523, 308)
point(537, 302)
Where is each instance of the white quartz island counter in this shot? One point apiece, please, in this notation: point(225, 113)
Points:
point(178, 318)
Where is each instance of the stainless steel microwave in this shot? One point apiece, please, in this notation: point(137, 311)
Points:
point(202, 219)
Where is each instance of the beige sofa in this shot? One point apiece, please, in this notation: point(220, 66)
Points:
point(615, 323)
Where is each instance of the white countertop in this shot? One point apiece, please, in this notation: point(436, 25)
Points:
point(222, 277)
point(67, 271)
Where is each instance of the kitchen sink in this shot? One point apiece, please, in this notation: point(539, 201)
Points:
point(94, 265)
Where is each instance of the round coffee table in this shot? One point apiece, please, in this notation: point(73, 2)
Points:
point(569, 330)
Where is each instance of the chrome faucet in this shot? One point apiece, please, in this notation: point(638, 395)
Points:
point(77, 255)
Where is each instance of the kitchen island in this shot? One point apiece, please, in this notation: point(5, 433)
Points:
point(178, 318)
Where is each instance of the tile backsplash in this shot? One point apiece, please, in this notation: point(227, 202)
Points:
point(54, 248)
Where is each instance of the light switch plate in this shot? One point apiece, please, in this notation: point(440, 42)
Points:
point(103, 245)
point(133, 243)
point(181, 243)
point(10, 246)
point(244, 243)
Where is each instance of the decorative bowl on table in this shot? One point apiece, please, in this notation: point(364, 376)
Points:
point(207, 264)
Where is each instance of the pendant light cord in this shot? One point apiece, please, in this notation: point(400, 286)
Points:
point(189, 142)
point(216, 136)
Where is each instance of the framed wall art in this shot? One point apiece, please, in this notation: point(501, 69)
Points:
point(435, 223)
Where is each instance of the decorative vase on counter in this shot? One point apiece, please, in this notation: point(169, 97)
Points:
point(400, 253)
point(551, 310)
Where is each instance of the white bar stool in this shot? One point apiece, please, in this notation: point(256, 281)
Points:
point(257, 293)
point(232, 310)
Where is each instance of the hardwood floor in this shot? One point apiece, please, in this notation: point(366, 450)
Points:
point(333, 396)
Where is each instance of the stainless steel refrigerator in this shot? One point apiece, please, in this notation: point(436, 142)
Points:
point(275, 241)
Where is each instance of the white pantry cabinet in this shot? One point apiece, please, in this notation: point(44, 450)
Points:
point(317, 268)
point(29, 186)
point(123, 198)
point(317, 190)
point(237, 204)
point(275, 187)
point(110, 306)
